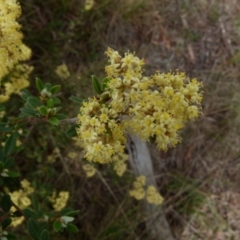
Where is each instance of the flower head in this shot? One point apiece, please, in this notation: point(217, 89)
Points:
point(153, 107)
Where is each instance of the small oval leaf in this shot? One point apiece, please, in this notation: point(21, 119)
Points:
point(43, 110)
point(33, 229)
point(96, 85)
point(44, 235)
point(53, 121)
point(57, 226)
point(55, 89)
point(39, 84)
point(72, 228)
point(6, 203)
point(76, 99)
point(6, 222)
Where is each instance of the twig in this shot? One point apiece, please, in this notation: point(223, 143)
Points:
point(69, 120)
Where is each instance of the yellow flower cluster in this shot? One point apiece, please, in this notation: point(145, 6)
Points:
point(59, 202)
point(62, 71)
point(101, 134)
point(21, 199)
point(155, 108)
point(17, 80)
point(72, 155)
point(53, 156)
point(153, 196)
point(12, 50)
point(89, 169)
point(119, 163)
point(88, 4)
point(139, 192)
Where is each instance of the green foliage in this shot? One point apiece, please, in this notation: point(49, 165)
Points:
point(72, 228)
point(57, 225)
point(76, 99)
point(34, 229)
point(6, 222)
point(40, 219)
point(6, 203)
point(72, 131)
point(105, 82)
point(44, 235)
point(96, 85)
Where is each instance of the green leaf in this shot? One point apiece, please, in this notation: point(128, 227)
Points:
point(47, 86)
point(43, 110)
point(44, 235)
point(105, 82)
point(1, 166)
point(8, 163)
point(1, 181)
point(10, 144)
point(55, 89)
point(34, 102)
point(57, 226)
point(3, 128)
point(33, 229)
point(35, 202)
point(60, 116)
point(17, 213)
point(2, 108)
point(39, 84)
point(50, 103)
point(76, 99)
point(13, 174)
point(70, 213)
point(96, 85)
point(72, 228)
point(29, 213)
point(53, 121)
point(25, 94)
point(6, 222)
point(11, 236)
point(6, 203)
point(29, 111)
point(72, 131)
point(56, 100)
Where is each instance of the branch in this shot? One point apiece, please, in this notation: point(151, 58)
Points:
point(69, 120)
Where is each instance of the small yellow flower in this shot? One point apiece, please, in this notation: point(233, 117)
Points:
point(88, 4)
point(153, 196)
point(62, 71)
point(119, 163)
point(72, 155)
point(89, 169)
point(59, 202)
point(20, 197)
point(16, 221)
point(139, 192)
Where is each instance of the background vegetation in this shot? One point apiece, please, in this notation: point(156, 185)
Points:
point(199, 178)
